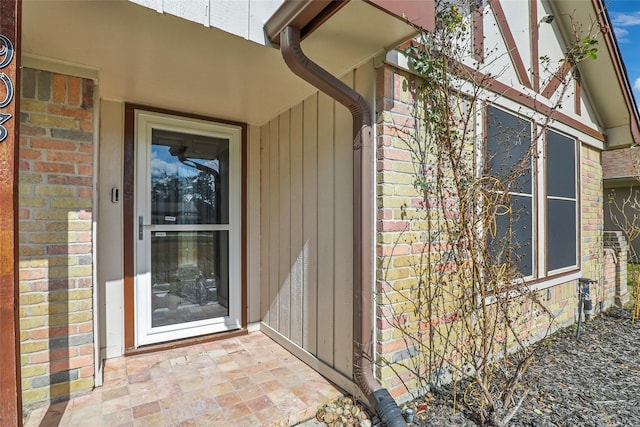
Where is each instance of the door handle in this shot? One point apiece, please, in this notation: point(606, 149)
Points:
point(141, 226)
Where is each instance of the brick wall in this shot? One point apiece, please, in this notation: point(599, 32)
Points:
point(592, 208)
point(400, 252)
point(615, 276)
point(592, 221)
point(621, 163)
point(408, 241)
point(56, 259)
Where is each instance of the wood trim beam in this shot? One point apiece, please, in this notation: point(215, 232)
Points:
point(244, 265)
point(472, 75)
point(535, 43)
point(557, 79)
point(578, 94)
point(521, 98)
point(128, 228)
point(512, 48)
point(478, 31)
point(10, 377)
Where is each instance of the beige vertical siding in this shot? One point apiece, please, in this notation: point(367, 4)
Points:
point(253, 225)
point(297, 250)
point(284, 211)
point(109, 242)
point(326, 230)
point(343, 252)
point(273, 192)
point(307, 227)
point(310, 225)
point(265, 224)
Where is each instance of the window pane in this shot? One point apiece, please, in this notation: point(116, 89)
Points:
point(519, 243)
point(509, 150)
point(561, 233)
point(561, 166)
point(189, 179)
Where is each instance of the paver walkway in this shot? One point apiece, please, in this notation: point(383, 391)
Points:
point(244, 381)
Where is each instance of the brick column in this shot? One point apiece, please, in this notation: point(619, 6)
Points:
point(56, 258)
point(615, 241)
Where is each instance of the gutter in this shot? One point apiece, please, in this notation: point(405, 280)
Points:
point(379, 398)
point(305, 14)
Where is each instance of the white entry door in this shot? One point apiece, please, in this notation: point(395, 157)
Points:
point(187, 227)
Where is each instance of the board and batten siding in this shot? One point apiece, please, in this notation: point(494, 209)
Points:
point(244, 18)
point(307, 225)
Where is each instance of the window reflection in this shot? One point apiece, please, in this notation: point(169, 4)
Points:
point(189, 179)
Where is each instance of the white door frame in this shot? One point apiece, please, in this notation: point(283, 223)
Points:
point(145, 122)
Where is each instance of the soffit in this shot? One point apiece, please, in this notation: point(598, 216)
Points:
point(603, 79)
point(165, 61)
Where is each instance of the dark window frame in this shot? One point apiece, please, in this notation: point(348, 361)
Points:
point(560, 166)
point(555, 202)
point(514, 136)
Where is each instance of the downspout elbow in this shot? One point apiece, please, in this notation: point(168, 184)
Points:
point(321, 79)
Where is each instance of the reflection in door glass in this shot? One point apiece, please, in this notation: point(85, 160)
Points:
point(189, 276)
point(189, 179)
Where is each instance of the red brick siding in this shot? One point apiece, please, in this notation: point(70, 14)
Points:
point(622, 163)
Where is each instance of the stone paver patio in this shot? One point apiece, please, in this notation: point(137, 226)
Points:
point(244, 381)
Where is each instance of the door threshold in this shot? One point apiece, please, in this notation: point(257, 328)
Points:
point(185, 342)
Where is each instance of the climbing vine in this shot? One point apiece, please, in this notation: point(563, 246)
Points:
point(466, 314)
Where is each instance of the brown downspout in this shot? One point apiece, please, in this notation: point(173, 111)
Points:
point(311, 72)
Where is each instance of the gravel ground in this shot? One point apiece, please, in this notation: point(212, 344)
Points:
point(594, 381)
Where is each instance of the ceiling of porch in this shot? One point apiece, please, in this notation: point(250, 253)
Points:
point(165, 61)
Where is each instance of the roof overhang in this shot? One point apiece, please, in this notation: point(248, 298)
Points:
point(400, 18)
point(605, 78)
point(145, 57)
point(306, 15)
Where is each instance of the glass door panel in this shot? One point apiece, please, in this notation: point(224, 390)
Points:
point(189, 271)
point(189, 179)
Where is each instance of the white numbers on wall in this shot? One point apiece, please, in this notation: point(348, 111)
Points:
point(6, 53)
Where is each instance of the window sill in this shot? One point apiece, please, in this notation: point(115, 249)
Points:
point(557, 279)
